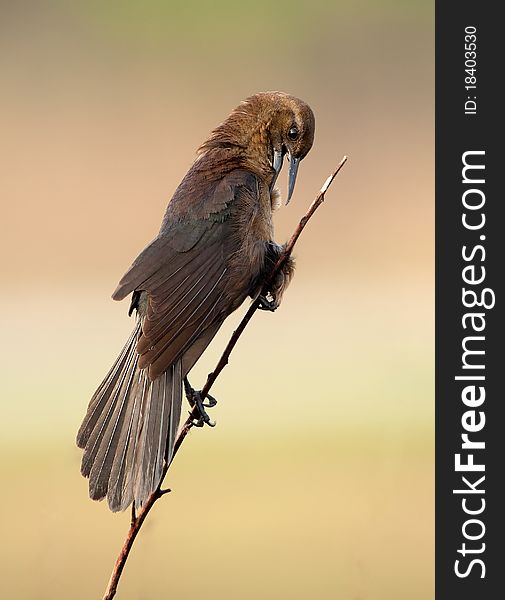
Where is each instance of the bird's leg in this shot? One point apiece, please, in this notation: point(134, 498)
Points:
point(270, 301)
point(195, 399)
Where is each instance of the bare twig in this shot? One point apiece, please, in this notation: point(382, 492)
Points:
point(138, 518)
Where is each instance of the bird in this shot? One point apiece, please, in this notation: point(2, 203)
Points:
point(214, 249)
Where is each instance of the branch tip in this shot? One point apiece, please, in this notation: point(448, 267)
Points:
point(330, 179)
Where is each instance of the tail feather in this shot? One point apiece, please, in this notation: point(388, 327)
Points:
point(129, 430)
point(175, 414)
point(120, 492)
point(108, 408)
point(108, 436)
point(103, 394)
point(143, 459)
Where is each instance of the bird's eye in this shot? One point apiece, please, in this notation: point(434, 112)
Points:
point(293, 133)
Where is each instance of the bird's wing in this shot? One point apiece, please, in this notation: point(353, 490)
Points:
point(184, 272)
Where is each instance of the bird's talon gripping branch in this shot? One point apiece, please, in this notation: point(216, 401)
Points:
point(267, 304)
point(195, 399)
point(211, 402)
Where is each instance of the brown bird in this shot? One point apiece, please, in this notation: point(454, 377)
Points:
point(214, 249)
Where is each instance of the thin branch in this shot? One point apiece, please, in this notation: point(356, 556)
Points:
point(138, 519)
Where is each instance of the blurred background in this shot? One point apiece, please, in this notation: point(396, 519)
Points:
point(318, 480)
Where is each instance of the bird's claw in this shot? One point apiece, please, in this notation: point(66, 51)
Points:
point(266, 304)
point(211, 402)
point(195, 399)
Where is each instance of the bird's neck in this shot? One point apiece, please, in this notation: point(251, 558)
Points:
point(241, 143)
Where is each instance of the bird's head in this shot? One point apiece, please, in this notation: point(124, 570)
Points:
point(262, 130)
point(291, 129)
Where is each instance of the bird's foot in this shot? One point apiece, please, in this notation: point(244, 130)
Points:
point(267, 302)
point(195, 399)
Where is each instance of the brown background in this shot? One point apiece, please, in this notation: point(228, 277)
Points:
point(318, 480)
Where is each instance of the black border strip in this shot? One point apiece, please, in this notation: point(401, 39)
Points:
point(460, 406)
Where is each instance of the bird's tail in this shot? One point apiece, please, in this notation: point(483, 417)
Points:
point(130, 429)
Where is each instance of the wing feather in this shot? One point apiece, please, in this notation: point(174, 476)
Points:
point(184, 272)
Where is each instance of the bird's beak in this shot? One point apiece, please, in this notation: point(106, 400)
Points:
point(293, 170)
point(277, 165)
